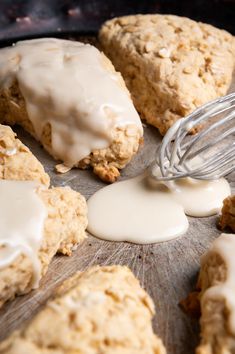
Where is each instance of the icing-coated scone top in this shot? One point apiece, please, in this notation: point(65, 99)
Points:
point(22, 215)
point(70, 88)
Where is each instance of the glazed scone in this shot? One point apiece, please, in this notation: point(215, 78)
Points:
point(217, 284)
point(170, 64)
point(69, 97)
point(16, 160)
point(227, 218)
point(102, 310)
point(64, 228)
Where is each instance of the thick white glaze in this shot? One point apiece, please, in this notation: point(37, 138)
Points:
point(145, 211)
point(68, 85)
point(201, 198)
point(225, 247)
point(22, 216)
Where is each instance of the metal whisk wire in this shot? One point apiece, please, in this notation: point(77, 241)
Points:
point(177, 150)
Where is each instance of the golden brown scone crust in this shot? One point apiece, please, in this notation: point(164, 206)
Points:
point(216, 337)
point(227, 218)
point(170, 64)
point(102, 310)
point(105, 162)
point(16, 160)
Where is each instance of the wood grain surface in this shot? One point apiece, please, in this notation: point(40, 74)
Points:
point(168, 270)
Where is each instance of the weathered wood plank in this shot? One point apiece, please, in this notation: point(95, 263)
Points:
point(168, 271)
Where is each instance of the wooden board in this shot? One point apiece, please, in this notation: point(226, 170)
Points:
point(168, 271)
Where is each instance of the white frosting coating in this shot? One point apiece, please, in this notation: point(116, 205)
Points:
point(225, 247)
point(142, 212)
point(67, 84)
point(22, 216)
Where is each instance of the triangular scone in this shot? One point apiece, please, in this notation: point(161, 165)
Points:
point(68, 95)
point(170, 64)
point(217, 284)
point(64, 225)
point(102, 310)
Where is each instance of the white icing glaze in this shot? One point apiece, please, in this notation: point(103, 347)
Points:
point(22, 216)
point(66, 84)
point(225, 247)
point(145, 211)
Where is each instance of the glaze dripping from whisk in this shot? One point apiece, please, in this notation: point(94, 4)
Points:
point(141, 212)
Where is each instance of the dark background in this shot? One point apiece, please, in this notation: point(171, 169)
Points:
point(32, 18)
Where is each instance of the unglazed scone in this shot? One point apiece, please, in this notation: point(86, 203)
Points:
point(102, 310)
point(16, 160)
point(69, 97)
point(171, 64)
point(217, 299)
point(227, 218)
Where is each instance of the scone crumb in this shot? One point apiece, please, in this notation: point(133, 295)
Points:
point(107, 173)
point(61, 168)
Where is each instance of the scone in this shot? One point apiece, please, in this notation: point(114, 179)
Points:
point(64, 228)
point(16, 160)
point(170, 64)
point(217, 298)
point(102, 310)
point(227, 218)
point(36, 222)
point(70, 98)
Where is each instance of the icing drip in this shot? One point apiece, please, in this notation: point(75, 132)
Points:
point(22, 217)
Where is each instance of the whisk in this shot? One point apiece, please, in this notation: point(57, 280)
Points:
point(210, 154)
